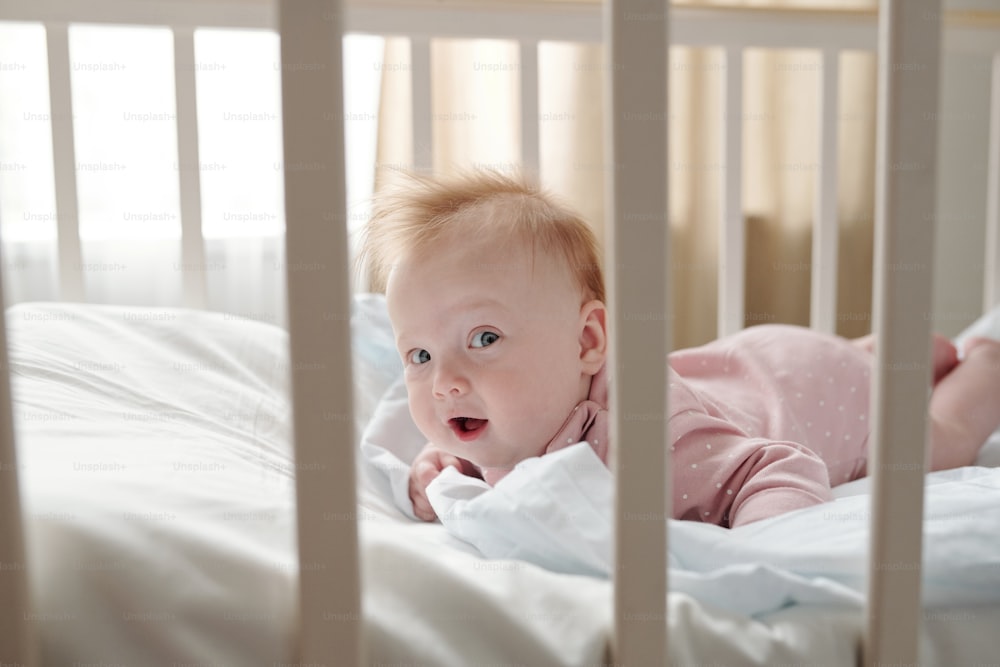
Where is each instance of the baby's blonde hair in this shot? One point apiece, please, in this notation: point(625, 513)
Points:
point(409, 218)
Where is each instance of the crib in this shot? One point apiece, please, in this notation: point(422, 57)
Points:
point(321, 588)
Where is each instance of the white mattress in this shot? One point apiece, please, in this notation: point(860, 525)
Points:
point(154, 454)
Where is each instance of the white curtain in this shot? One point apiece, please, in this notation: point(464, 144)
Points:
point(127, 168)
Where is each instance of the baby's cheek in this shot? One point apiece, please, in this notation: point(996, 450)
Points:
point(419, 414)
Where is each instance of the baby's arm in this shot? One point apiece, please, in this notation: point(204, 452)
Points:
point(427, 465)
point(779, 478)
point(724, 476)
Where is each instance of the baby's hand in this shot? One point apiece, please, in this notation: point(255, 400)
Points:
point(425, 467)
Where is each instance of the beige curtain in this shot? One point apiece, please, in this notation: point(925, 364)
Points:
point(476, 124)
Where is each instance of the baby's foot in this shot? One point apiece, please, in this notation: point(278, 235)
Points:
point(944, 357)
point(981, 345)
point(964, 408)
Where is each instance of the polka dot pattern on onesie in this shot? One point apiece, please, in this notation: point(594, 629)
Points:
point(772, 384)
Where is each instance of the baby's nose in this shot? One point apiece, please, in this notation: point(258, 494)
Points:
point(450, 380)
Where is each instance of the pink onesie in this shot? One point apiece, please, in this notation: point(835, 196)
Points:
point(761, 422)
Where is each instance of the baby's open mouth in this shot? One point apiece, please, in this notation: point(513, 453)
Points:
point(467, 428)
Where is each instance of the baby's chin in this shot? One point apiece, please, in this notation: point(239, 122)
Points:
point(485, 454)
point(484, 464)
point(504, 465)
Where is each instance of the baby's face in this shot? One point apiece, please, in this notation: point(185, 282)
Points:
point(491, 348)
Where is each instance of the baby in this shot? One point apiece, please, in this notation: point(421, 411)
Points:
point(496, 298)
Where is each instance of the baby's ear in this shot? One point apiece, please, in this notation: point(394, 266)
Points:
point(593, 335)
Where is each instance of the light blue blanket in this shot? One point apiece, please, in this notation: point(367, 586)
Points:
point(555, 511)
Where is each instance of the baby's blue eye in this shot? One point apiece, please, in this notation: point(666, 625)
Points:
point(485, 338)
point(420, 356)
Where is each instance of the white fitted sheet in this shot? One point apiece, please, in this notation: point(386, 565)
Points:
point(156, 478)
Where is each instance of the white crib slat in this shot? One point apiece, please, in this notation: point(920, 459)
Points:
point(530, 117)
point(71, 285)
point(319, 309)
point(17, 637)
point(823, 300)
point(702, 25)
point(252, 14)
point(909, 40)
point(732, 230)
point(193, 269)
point(991, 279)
point(638, 252)
point(423, 129)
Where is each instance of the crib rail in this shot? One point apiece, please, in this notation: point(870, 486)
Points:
point(637, 289)
point(71, 282)
point(991, 286)
point(904, 196)
point(909, 53)
point(319, 307)
point(17, 637)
